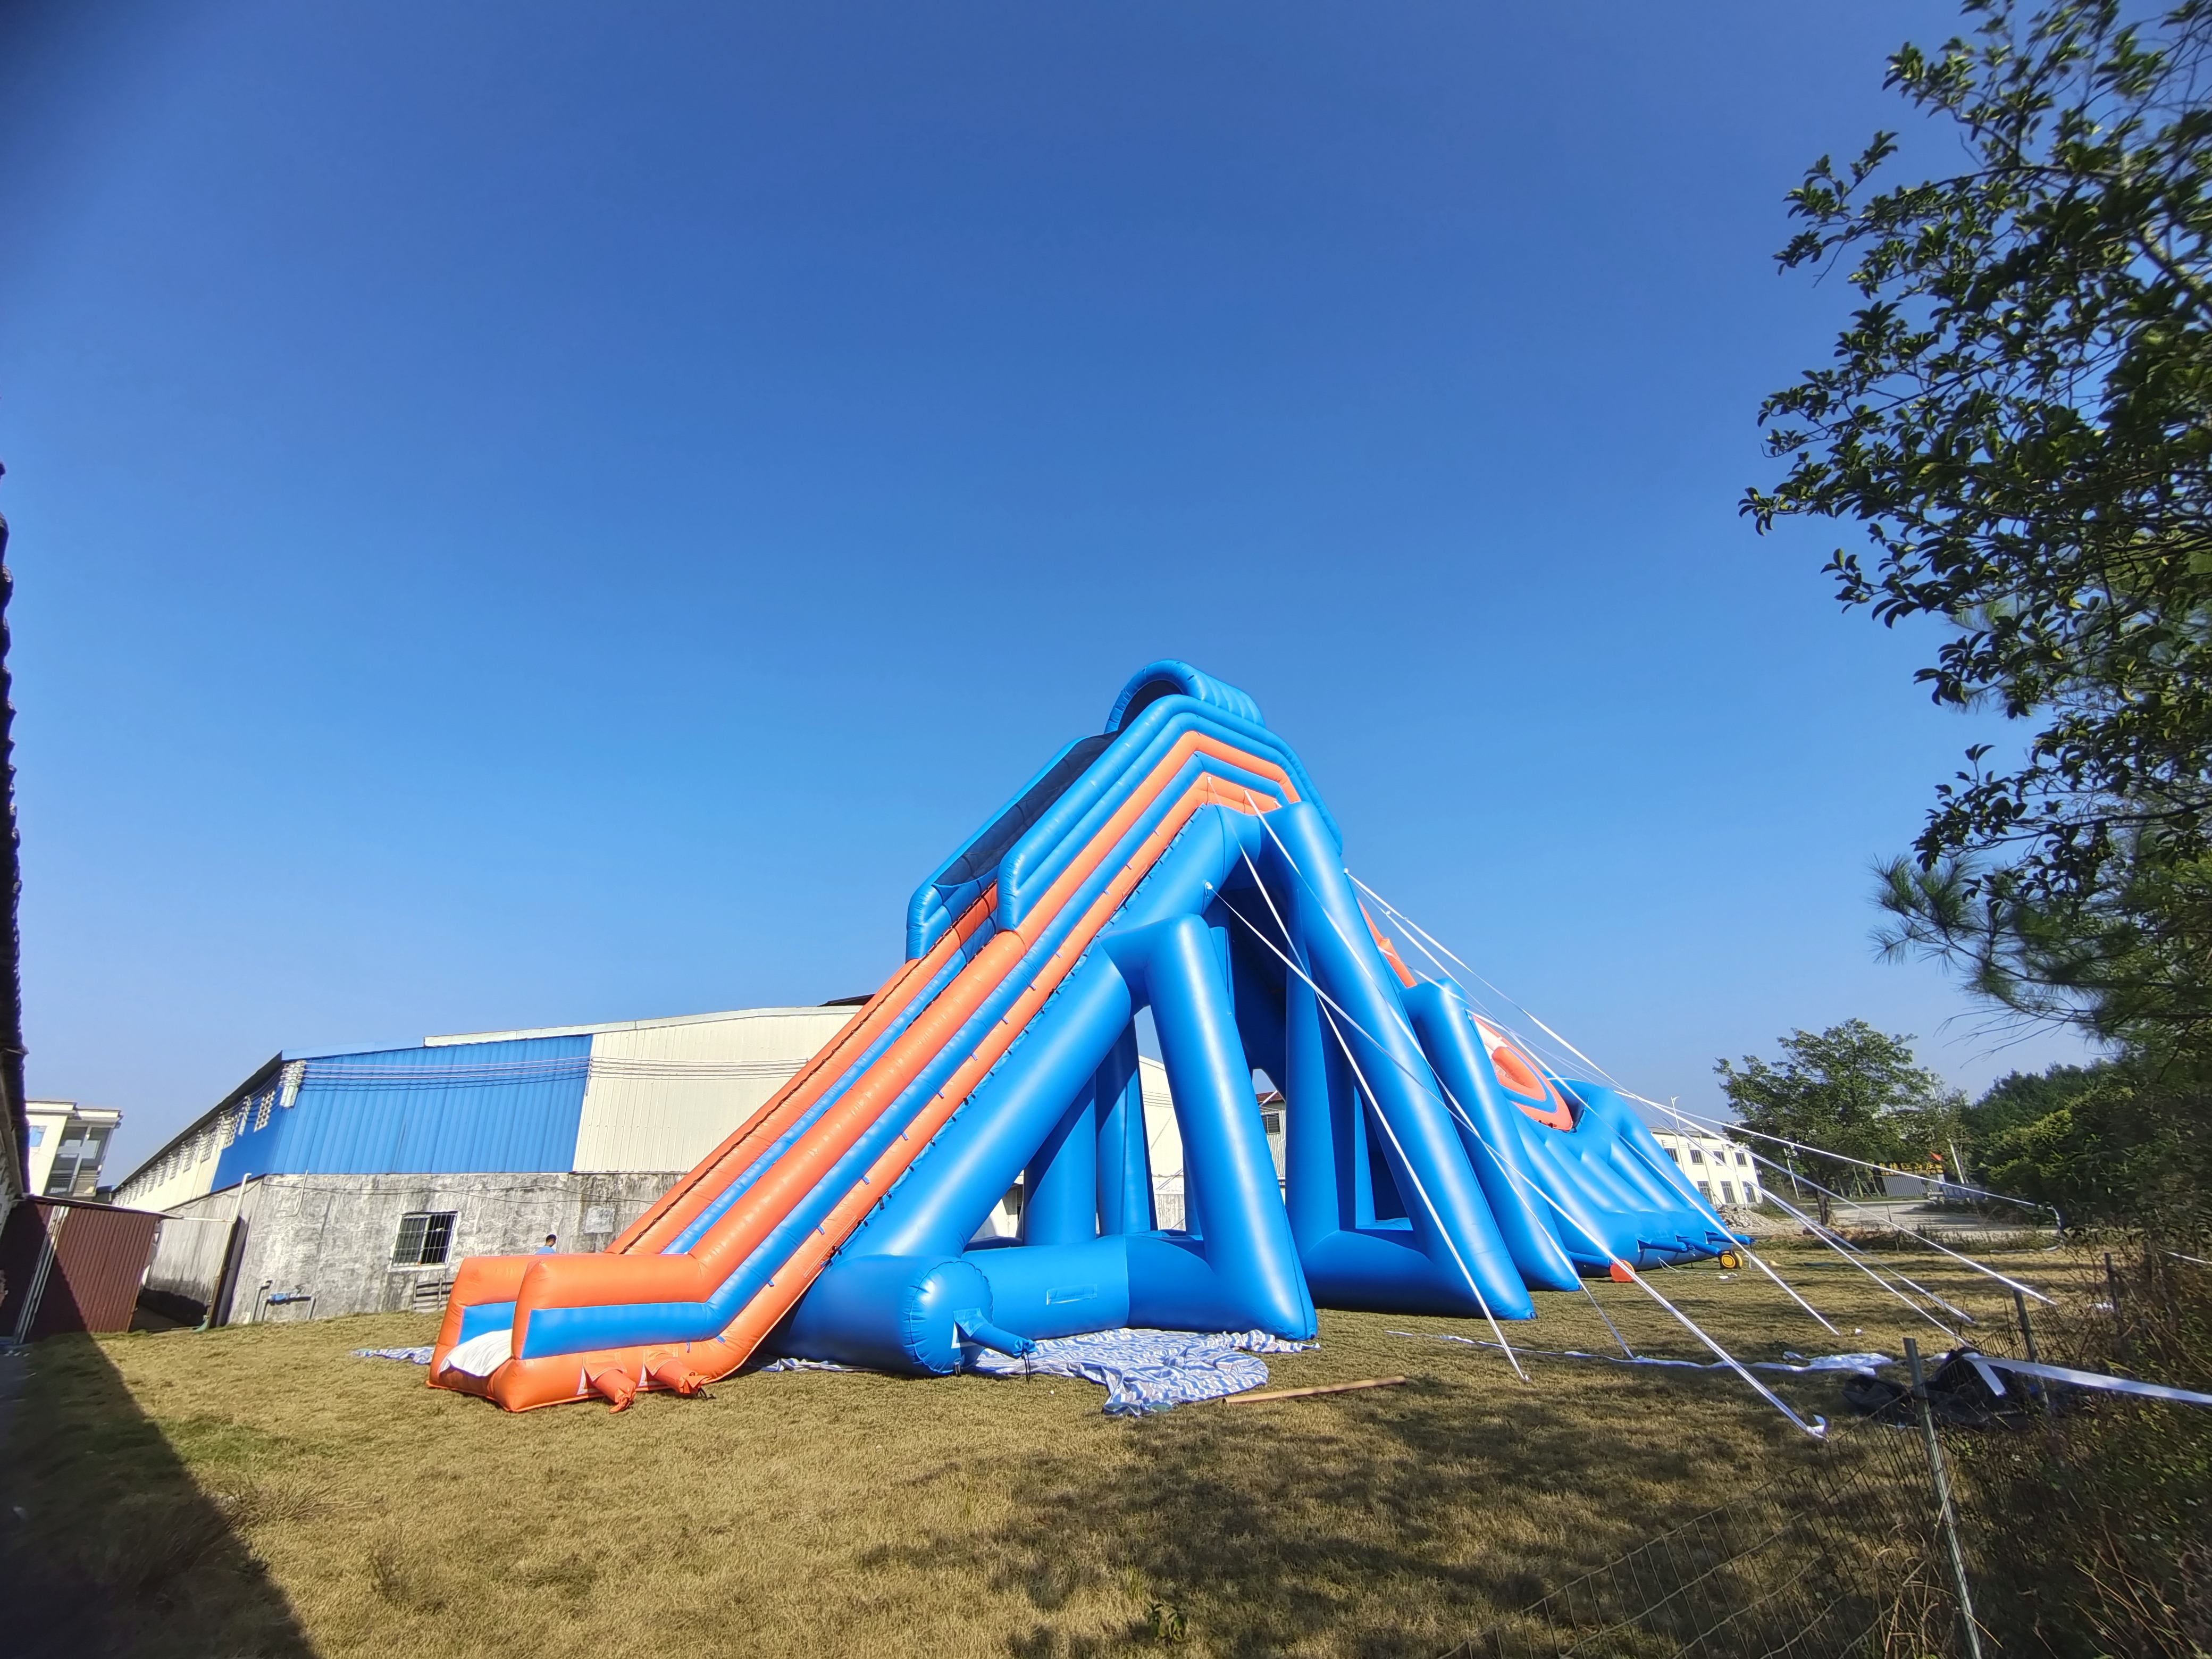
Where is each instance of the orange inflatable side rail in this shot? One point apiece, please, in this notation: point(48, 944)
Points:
point(1389, 950)
point(583, 1281)
point(800, 1168)
point(681, 1204)
point(480, 1279)
point(793, 1277)
point(577, 1280)
point(524, 1384)
point(660, 1206)
point(739, 1232)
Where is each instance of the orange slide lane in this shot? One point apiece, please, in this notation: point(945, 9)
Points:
point(807, 1161)
point(781, 1293)
point(484, 1279)
point(1389, 950)
point(603, 1279)
point(600, 1280)
point(653, 1232)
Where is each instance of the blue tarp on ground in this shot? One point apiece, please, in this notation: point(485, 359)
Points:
point(1146, 1370)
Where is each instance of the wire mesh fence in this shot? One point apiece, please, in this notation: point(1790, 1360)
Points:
point(1838, 1554)
point(2076, 1521)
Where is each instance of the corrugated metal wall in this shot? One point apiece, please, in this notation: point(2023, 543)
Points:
point(664, 1094)
point(461, 1108)
point(72, 1266)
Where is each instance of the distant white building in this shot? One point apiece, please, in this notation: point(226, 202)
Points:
point(69, 1143)
point(1722, 1170)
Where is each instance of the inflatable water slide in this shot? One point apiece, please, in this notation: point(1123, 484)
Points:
point(1180, 861)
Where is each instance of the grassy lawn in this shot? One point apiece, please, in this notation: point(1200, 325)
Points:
point(260, 1490)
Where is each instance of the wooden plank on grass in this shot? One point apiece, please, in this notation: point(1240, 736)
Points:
point(1325, 1387)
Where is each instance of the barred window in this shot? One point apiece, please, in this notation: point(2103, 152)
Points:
point(424, 1237)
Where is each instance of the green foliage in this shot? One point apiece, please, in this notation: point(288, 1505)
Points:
point(1851, 1089)
point(2019, 1098)
point(2127, 1147)
point(2020, 418)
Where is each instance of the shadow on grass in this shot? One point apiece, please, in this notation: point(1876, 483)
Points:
point(107, 1547)
point(1381, 1526)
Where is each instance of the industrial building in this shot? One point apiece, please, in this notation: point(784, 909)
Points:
point(355, 1181)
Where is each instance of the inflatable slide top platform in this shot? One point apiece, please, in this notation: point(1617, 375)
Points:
point(1180, 861)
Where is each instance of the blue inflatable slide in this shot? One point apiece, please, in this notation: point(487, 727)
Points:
point(1179, 861)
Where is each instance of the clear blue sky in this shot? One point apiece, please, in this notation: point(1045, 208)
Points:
point(533, 513)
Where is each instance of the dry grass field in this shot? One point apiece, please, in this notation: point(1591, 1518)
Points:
point(260, 1490)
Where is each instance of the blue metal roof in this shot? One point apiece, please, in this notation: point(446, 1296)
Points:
point(459, 1107)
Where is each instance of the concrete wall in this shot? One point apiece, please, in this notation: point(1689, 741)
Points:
point(332, 1237)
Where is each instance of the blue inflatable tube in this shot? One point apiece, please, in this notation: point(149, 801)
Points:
point(1493, 1143)
point(1449, 1218)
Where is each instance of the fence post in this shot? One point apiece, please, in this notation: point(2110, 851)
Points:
point(1943, 1509)
point(2035, 1385)
point(2027, 1344)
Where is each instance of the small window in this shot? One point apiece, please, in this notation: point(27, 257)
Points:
point(37, 1133)
point(1706, 1188)
point(1728, 1192)
point(1271, 1122)
point(1743, 1160)
point(1696, 1156)
point(424, 1238)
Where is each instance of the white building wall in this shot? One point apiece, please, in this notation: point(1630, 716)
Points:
point(49, 1122)
point(62, 1129)
point(1162, 1145)
point(186, 1171)
point(1164, 1141)
point(1720, 1169)
point(664, 1093)
point(1163, 1135)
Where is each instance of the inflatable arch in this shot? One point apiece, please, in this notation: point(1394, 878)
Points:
point(1180, 861)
